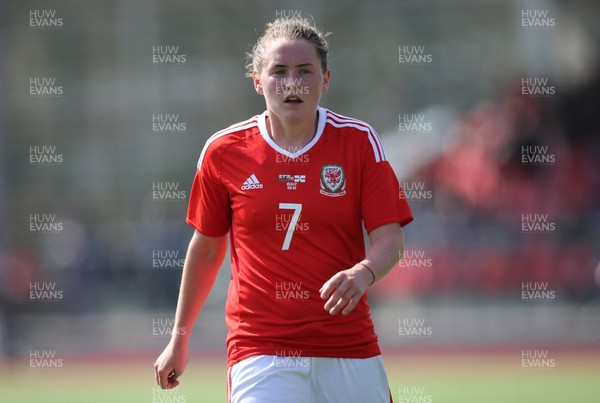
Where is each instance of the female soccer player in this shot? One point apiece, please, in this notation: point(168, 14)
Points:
point(292, 187)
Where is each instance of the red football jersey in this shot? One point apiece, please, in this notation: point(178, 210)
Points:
point(295, 219)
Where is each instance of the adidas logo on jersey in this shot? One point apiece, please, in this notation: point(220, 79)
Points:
point(252, 183)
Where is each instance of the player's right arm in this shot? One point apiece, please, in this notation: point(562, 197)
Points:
point(203, 259)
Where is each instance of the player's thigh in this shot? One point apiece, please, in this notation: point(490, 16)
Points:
point(269, 379)
point(349, 380)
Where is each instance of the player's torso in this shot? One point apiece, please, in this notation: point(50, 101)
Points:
point(295, 223)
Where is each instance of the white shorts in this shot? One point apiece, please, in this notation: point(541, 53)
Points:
point(276, 379)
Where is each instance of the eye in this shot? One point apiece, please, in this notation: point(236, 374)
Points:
point(305, 71)
point(278, 72)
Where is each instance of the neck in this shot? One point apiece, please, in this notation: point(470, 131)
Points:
point(292, 135)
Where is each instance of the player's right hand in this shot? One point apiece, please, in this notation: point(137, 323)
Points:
point(170, 364)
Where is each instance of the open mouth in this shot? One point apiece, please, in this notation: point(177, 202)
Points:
point(292, 99)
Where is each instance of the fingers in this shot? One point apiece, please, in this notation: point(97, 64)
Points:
point(338, 300)
point(172, 379)
point(342, 293)
point(353, 302)
point(330, 286)
point(335, 304)
point(332, 289)
point(165, 378)
point(168, 380)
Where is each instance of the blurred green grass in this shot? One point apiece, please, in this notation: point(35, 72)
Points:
point(414, 377)
point(494, 377)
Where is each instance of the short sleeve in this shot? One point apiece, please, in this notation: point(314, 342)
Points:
point(209, 209)
point(382, 198)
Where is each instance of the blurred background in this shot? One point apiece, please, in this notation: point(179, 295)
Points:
point(489, 112)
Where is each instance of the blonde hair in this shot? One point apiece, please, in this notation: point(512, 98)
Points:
point(287, 28)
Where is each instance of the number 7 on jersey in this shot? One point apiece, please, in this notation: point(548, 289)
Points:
point(297, 207)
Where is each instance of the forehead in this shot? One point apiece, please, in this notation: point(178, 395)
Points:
point(290, 52)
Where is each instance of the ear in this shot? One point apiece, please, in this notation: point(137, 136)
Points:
point(326, 77)
point(257, 84)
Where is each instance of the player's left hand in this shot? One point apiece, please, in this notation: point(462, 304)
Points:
point(345, 289)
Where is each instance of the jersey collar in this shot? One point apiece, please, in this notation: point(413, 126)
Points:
point(262, 126)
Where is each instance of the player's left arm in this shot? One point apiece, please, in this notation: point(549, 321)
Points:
point(345, 288)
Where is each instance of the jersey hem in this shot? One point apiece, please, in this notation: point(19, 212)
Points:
point(369, 351)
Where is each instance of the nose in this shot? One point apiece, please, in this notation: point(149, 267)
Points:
point(292, 81)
